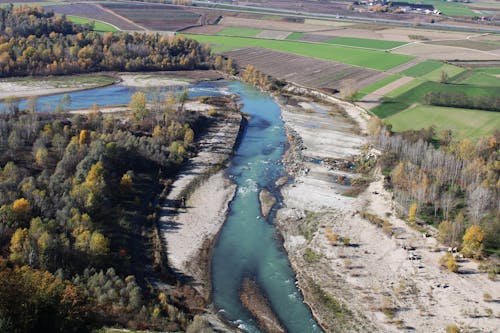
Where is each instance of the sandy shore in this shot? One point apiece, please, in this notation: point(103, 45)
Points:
point(384, 287)
point(35, 87)
point(201, 214)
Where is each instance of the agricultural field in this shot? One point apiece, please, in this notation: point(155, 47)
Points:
point(353, 56)
point(97, 25)
point(422, 68)
point(394, 103)
point(156, 17)
point(365, 43)
point(93, 12)
point(489, 70)
point(321, 74)
point(470, 44)
point(239, 31)
point(377, 85)
point(478, 78)
point(449, 8)
point(444, 52)
point(464, 123)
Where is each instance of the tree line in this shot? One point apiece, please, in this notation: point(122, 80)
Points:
point(36, 43)
point(460, 100)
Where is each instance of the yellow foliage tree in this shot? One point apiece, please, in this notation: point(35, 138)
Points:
point(126, 183)
point(472, 245)
point(95, 177)
point(138, 105)
point(19, 246)
point(99, 245)
point(21, 208)
point(412, 213)
point(84, 137)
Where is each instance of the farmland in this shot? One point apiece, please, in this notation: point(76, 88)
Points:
point(305, 71)
point(353, 56)
point(463, 122)
point(156, 17)
point(398, 103)
point(93, 12)
point(377, 85)
point(366, 43)
point(422, 68)
point(97, 26)
point(239, 32)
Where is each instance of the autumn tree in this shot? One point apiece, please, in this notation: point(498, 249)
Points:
point(412, 212)
point(138, 105)
point(21, 209)
point(472, 245)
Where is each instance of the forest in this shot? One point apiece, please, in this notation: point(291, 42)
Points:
point(36, 43)
point(453, 185)
point(79, 192)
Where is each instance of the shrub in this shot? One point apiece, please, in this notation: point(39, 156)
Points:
point(452, 329)
point(311, 257)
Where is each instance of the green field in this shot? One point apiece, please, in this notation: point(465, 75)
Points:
point(366, 43)
point(98, 26)
point(490, 70)
point(463, 122)
point(349, 55)
point(448, 8)
point(481, 79)
point(422, 68)
point(239, 32)
point(391, 106)
point(295, 36)
point(377, 85)
point(450, 70)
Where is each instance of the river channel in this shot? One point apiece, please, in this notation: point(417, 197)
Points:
point(247, 246)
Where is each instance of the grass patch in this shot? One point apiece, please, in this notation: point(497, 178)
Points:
point(98, 26)
point(448, 8)
point(450, 70)
point(481, 79)
point(377, 85)
point(489, 70)
point(422, 68)
point(393, 104)
point(295, 36)
point(354, 56)
point(404, 88)
point(239, 32)
point(364, 42)
point(310, 256)
point(463, 122)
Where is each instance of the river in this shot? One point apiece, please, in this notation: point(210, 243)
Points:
point(247, 245)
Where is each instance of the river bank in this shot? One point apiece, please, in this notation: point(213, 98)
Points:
point(353, 275)
point(197, 202)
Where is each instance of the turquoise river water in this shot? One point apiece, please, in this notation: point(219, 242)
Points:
point(247, 245)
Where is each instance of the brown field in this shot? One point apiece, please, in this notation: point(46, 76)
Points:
point(94, 12)
point(270, 25)
point(442, 52)
point(395, 34)
point(469, 44)
point(315, 38)
point(305, 71)
point(155, 16)
point(273, 34)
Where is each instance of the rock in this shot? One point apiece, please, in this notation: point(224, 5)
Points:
point(281, 181)
point(267, 201)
